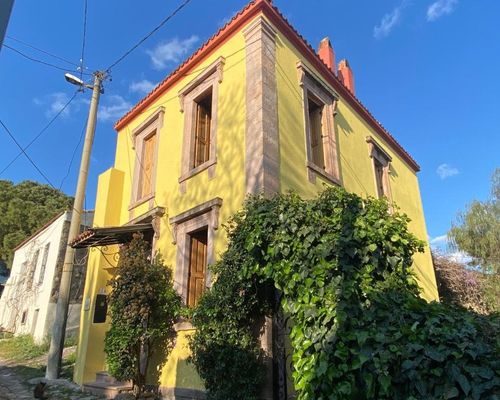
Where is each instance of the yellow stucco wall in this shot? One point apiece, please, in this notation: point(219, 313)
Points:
point(356, 168)
point(115, 185)
point(114, 198)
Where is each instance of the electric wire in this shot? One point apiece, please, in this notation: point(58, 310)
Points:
point(84, 37)
point(42, 51)
point(40, 61)
point(165, 20)
point(73, 157)
point(39, 133)
point(26, 154)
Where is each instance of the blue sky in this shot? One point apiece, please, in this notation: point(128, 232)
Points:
point(427, 69)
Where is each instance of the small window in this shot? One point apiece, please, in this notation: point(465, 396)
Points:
point(379, 177)
point(198, 101)
point(315, 128)
point(44, 263)
point(197, 266)
point(24, 317)
point(320, 104)
point(381, 165)
point(202, 129)
point(147, 165)
point(145, 140)
point(31, 270)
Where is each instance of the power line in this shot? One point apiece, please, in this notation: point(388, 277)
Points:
point(26, 154)
point(73, 157)
point(39, 61)
point(149, 34)
point(42, 51)
point(84, 37)
point(40, 133)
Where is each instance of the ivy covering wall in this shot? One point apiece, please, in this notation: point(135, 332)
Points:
point(359, 329)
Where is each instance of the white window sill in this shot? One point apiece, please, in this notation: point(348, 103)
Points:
point(198, 169)
point(323, 174)
point(141, 201)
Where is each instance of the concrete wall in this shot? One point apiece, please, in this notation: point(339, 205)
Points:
point(37, 299)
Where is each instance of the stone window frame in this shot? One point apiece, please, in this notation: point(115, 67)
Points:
point(313, 88)
point(209, 79)
point(205, 215)
point(376, 152)
point(150, 126)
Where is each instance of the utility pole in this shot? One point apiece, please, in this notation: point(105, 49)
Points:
point(59, 327)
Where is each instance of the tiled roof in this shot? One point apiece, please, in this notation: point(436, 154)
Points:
point(224, 33)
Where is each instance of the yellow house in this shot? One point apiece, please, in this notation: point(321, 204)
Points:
point(254, 110)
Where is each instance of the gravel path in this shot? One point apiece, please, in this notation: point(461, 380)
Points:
point(11, 387)
point(14, 385)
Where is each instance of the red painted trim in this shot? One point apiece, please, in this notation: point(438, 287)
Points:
point(226, 32)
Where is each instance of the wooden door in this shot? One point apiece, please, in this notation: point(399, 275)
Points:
point(197, 266)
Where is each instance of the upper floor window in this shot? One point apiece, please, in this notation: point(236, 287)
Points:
point(202, 130)
point(145, 140)
point(321, 142)
point(147, 160)
point(31, 270)
point(315, 132)
point(44, 263)
point(381, 165)
point(198, 100)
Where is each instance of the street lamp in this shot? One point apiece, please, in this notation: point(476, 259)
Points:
point(59, 327)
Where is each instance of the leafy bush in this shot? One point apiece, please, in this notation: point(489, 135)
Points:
point(144, 307)
point(359, 329)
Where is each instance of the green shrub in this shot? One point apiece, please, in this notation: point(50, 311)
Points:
point(359, 329)
point(144, 307)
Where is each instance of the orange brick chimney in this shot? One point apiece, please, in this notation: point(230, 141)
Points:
point(326, 53)
point(346, 76)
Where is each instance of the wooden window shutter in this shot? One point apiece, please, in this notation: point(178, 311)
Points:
point(146, 182)
point(202, 130)
point(379, 177)
point(315, 128)
point(197, 267)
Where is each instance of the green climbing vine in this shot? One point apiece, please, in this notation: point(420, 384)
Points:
point(358, 327)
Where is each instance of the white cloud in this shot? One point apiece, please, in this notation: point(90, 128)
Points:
point(116, 106)
point(55, 103)
point(389, 21)
point(440, 8)
point(142, 87)
point(445, 171)
point(438, 240)
point(171, 51)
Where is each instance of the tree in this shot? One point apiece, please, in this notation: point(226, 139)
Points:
point(144, 307)
point(460, 285)
point(477, 232)
point(25, 208)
